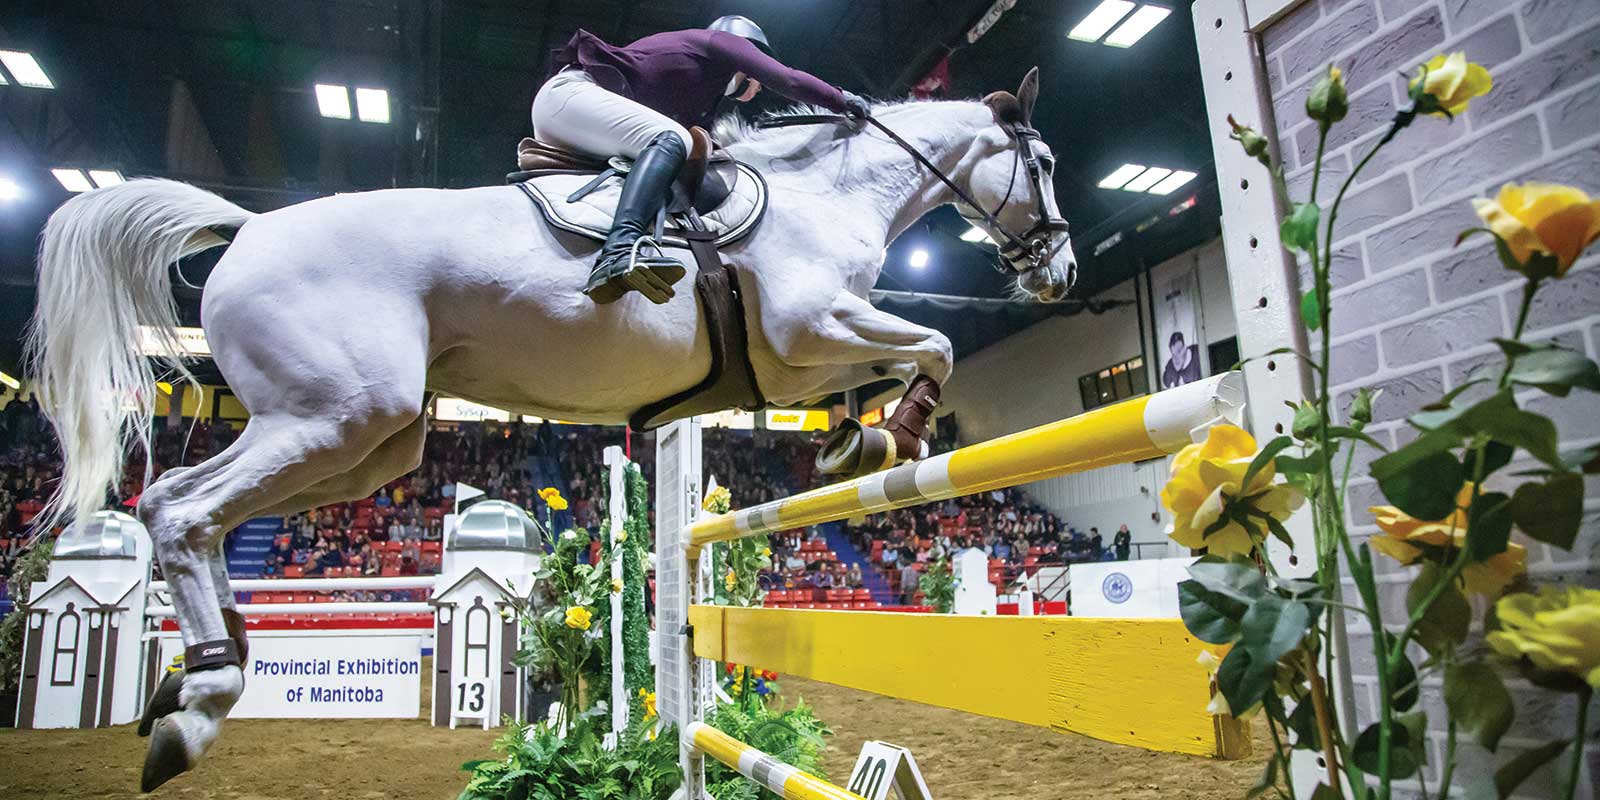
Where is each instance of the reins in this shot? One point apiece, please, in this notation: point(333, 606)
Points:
point(1034, 244)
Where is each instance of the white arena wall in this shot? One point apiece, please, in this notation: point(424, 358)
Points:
point(1031, 378)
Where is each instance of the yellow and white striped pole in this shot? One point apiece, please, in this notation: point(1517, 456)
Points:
point(1135, 430)
point(771, 773)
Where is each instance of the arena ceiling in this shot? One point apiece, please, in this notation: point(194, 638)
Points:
point(220, 93)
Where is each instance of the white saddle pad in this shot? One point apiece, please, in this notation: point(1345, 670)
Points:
point(590, 216)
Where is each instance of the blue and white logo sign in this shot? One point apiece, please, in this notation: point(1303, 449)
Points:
point(1117, 587)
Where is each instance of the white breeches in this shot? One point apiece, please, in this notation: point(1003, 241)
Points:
point(573, 112)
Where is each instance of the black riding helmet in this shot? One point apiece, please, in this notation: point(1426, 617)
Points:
point(744, 28)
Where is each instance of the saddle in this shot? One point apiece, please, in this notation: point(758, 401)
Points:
point(716, 200)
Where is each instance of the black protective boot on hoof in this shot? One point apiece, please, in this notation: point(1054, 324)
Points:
point(629, 260)
point(167, 757)
point(163, 701)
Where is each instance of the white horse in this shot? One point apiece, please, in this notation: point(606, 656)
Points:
point(333, 320)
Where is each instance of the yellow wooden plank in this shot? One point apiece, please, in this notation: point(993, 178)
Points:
point(1128, 681)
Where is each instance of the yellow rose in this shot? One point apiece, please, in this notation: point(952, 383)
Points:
point(1205, 485)
point(1453, 81)
point(1410, 540)
point(557, 503)
point(719, 501)
point(622, 536)
point(649, 699)
point(1558, 630)
point(1547, 218)
point(731, 580)
point(548, 492)
point(616, 585)
point(579, 617)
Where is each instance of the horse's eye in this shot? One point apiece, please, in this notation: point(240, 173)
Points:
point(1048, 163)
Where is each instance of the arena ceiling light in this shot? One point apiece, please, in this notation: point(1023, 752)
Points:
point(105, 177)
point(1170, 184)
point(1103, 18)
point(333, 101)
point(9, 190)
point(372, 105)
point(976, 235)
point(1134, 29)
point(1146, 179)
point(1121, 176)
point(918, 259)
point(25, 70)
point(73, 180)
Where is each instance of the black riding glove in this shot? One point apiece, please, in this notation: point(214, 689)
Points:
point(856, 108)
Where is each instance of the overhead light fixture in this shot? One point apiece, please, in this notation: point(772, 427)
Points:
point(9, 190)
point(1170, 184)
point(73, 180)
point(10, 381)
point(372, 105)
point(1101, 19)
point(918, 259)
point(1122, 175)
point(105, 177)
point(333, 101)
point(976, 235)
point(25, 70)
point(1137, 26)
point(1147, 179)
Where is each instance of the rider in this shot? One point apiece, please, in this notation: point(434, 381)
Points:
point(638, 102)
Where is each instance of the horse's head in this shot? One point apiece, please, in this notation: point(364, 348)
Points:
point(1012, 178)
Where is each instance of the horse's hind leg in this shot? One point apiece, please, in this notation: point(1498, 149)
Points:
point(279, 455)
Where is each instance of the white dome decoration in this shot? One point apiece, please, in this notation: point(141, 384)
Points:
point(497, 525)
point(107, 534)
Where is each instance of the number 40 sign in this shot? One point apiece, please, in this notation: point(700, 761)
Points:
point(887, 772)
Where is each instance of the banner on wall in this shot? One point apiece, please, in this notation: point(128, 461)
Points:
point(1178, 329)
point(797, 419)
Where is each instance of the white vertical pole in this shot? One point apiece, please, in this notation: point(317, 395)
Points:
point(680, 684)
point(1264, 279)
point(617, 515)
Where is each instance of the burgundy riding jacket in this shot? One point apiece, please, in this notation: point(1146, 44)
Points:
point(683, 74)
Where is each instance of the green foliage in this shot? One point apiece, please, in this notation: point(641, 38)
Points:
point(638, 672)
point(541, 764)
point(738, 571)
point(794, 736)
point(938, 586)
point(31, 566)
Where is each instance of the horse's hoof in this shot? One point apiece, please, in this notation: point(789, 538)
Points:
point(853, 450)
point(167, 757)
point(163, 701)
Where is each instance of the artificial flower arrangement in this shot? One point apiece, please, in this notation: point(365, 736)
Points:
point(574, 754)
point(1454, 500)
point(755, 712)
point(938, 586)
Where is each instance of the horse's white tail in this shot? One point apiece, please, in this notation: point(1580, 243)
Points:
point(103, 272)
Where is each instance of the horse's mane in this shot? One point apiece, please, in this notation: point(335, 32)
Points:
point(731, 128)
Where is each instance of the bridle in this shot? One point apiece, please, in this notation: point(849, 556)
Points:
point(1020, 252)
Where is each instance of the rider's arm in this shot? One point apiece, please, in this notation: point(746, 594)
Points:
point(740, 54)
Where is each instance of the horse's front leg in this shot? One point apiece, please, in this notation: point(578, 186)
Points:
point(854, 333)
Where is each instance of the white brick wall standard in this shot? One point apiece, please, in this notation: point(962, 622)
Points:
point(1411, 312)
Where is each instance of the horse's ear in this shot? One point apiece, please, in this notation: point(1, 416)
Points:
point(1005, 106)
point(1027, 94)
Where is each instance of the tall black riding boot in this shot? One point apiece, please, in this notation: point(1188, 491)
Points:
point(623, 263)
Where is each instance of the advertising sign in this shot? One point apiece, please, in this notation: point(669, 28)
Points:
point(329, 675)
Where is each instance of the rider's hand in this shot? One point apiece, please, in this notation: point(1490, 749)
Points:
point(857, 108)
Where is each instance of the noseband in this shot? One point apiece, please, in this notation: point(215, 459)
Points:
point(1029, 250)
